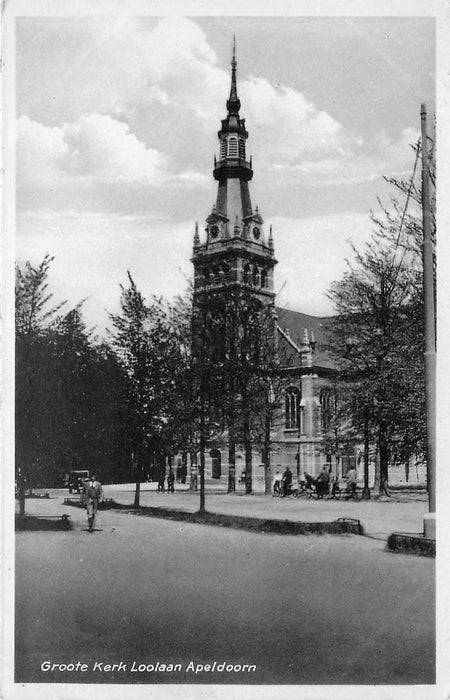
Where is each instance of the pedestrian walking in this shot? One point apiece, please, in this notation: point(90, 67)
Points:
point(170, 481)
point(92, 494)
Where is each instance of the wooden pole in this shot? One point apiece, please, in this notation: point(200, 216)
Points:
point(429, 310)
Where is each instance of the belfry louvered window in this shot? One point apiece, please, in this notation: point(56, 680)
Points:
point(223, 148)
point(242, 149)
point(233, 147)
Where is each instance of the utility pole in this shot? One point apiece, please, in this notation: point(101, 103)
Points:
point(430, 335)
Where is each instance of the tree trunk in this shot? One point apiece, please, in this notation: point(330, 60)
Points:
point(202, 477)
point(193, 482)
point(183, 466)
point(21, 488)
point(248, 453)
point(231, 458)
point(366, 489)
point(135, 469)
point(377, 480)
point(202, 460)
point(137, 494)
point(384, 463)
point(267, 464)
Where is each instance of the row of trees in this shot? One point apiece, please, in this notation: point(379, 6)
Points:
point(377, 338)
point(123, 406)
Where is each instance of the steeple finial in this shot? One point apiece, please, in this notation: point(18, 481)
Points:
point(271, 238)
point(196, 236)
point(233, 103)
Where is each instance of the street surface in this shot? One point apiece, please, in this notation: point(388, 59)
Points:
point(301, 609)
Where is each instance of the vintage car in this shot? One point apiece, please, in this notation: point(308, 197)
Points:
point(75, 480)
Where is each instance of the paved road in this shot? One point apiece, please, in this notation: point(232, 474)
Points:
point(303, 610)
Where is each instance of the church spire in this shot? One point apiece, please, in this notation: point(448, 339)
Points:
point(196, 236)
point(233, 103)
point(236, 250)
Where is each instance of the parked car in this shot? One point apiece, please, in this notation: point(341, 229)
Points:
point(75, 480)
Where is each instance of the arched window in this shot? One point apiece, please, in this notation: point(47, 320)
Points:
point(292, 408)
point(226, 271)
point(255, 276)
point(328, 408)
point(246, 275)
point(233, 147)
point(264, 278)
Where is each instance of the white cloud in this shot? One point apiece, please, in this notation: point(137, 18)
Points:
point(365, 163)
point(102, 148)
point(96, 147)
point(146, 100)
point(287, 125)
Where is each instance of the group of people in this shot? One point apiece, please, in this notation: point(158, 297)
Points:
point(282, 483)
point(170, 481)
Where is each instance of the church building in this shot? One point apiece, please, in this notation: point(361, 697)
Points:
point(237, 248)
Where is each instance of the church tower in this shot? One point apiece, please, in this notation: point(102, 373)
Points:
point(238, 251)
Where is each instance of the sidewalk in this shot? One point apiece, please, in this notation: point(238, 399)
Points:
point(401, 513)
point(378, 518)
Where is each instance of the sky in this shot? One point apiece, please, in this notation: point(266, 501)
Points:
point(117, 121)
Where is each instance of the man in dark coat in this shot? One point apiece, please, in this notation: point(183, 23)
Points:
point(287, 482)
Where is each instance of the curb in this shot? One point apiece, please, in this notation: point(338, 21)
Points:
point(411, 544)
point(342, 526)
point(43, 522)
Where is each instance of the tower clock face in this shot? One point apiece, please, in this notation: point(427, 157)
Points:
point(256, 232)
point(214, 231)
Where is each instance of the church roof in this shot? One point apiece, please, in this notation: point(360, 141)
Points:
point(293, 325)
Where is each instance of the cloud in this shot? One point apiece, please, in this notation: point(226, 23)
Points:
point(145, 101)
point(365, 163)
point(288, 126)
point(96, 147)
